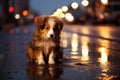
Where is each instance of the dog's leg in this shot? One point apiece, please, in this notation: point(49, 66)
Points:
point(30, 54)
point(51, 58)
point(40, 59)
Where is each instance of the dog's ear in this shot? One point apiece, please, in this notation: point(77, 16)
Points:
point(60, 25)
point(40, 21)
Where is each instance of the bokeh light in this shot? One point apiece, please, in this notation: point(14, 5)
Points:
point(85, 3)
point(17, 16)
point(64, 8)
point(74, 43)
point(104, 2)
point(74, 5)
point(25, 13)
point(69, 17)
point(11, 9)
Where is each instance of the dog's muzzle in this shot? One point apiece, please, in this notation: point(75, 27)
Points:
point(51, 36)
point(51, 33)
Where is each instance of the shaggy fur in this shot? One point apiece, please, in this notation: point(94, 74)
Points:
point(45, 45)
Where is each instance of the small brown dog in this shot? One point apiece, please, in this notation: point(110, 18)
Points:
point(45, 45)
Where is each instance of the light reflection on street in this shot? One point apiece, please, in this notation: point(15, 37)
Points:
point(104, 55)
point(105, 32)
point(104, 64)
point(85, 57)
point(85, 30)
point(64, 40)
point(84, 48)
point(85, 51)
point(104, 44)
point(74, 44)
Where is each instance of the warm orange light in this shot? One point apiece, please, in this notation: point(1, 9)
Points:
point(25, 13)
point(104, 2)
point(64, 40)
point(74, 43)
point(85, 51)
point(104, 55)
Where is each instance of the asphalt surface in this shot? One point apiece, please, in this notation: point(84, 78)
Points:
point(90, 53)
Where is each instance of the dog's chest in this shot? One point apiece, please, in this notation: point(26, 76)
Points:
point(47, 46)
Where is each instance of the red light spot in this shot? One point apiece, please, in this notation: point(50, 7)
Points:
point(35, 19)
point(11, 9)
point(11, 31)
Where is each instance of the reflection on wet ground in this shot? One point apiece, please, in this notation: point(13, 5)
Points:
point(85, 58)
point(44, 72)
point(93, 57)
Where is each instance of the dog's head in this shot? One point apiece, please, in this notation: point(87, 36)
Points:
point(49, 26)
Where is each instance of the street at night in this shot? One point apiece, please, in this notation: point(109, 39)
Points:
point(34, 45)
point(90, 53)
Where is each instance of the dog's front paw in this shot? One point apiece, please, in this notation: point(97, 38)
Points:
point(51, 62)
point(39, 62)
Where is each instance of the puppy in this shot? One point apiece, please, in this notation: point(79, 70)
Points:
point(45, 45)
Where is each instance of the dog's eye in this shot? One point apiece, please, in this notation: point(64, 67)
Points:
point(56, 25)
point(55, 28)
point(47, 27)
point(41, 27)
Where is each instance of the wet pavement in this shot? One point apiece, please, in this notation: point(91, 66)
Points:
point(90, 53)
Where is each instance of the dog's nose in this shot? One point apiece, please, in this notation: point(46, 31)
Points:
point(51, 35)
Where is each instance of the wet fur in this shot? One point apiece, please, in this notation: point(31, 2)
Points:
point(43, 49)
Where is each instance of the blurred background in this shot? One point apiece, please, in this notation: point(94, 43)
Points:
point(21, 12)
point(90, 39)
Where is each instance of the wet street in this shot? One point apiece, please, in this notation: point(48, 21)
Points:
point(90, 53)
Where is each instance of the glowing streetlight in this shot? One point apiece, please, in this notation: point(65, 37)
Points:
point(64, 8)
point(74, 5)
point(85, 3)
point(59, 10)
point(104, 2)
point(69, 17)
point(25, 13)
point(17, 16)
